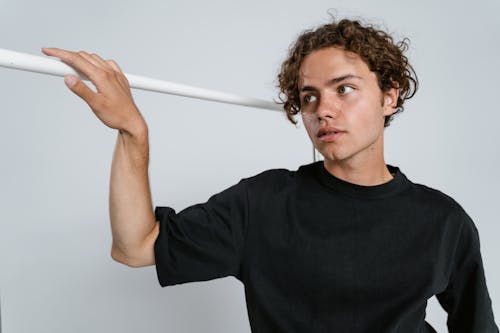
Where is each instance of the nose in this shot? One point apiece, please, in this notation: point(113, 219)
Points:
point(328, 107)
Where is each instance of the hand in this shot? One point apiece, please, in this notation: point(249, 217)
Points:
point(112, 103)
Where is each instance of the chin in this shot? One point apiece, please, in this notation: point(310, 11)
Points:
point(334, 155)
point(344, 152)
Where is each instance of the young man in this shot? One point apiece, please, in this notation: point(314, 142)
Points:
point(348, 244)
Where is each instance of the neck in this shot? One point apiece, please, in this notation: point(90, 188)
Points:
point(360, 172)
point(366, 168)
point(367, 175)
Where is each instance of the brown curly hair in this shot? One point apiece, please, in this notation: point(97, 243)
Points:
point(375, 47)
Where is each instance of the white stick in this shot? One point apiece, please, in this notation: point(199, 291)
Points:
point(38, 64)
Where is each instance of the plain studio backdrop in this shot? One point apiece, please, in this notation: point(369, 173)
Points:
point(56, 271)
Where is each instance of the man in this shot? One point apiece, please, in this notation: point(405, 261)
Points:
point(348, 244)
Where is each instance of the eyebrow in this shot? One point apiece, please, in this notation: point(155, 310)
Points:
point(332, 81)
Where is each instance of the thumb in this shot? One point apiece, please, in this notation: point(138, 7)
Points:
point(76, 85)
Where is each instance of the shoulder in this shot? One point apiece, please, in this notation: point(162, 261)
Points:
point(278, 178)
point(430, 195)
point(438, 202)
point(270, 178)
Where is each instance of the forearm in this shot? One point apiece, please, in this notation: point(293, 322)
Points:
point(131, 212)
point(133, 224)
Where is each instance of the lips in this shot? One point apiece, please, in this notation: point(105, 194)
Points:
point(328, 131)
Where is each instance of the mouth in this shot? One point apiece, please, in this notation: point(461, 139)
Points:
point(328, 131)
point(330, 136)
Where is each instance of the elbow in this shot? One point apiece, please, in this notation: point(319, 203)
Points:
point(124, 259)
point(136, 254)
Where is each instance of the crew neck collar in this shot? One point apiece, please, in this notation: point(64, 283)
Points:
point(398, 183)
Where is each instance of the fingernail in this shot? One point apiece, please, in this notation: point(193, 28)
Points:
point(70, 80)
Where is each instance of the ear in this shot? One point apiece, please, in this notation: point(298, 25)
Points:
point(390, 101)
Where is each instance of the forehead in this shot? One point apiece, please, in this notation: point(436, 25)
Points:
point(326, 63)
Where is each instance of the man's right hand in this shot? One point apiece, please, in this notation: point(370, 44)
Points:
point(112, 103)
point(133, 225)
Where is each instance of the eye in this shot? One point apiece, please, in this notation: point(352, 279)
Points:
point(343, 89)
point(308, 99)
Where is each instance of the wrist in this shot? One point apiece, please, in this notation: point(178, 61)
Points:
point(136, 130)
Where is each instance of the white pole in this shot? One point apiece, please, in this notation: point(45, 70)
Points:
point(44, 65)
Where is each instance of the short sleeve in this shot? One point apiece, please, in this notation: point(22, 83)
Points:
point(466, 299)
point(204, 241)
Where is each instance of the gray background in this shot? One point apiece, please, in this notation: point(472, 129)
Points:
point(56, 271)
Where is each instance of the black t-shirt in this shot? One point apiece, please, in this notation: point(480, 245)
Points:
point(319, 254)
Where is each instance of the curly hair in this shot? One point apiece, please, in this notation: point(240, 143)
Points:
point(375, 47)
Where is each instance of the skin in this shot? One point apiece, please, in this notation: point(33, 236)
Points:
point(353, 103)
point(133, 225)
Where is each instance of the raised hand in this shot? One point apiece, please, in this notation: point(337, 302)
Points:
point(112, 102)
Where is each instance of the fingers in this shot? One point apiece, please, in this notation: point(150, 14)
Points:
point(114, 65)
point(116, 68)
point(93, 59)
point(76, 85)
point(75, 60)
point(109, 66)
point(106, 65)
point(101, 62)
point(112, 103)
point(99, 71)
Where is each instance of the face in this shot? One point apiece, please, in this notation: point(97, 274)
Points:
point(339, 92)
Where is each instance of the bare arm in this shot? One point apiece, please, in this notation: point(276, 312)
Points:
point(133, 224)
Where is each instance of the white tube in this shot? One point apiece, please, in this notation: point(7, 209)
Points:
point(44, 65)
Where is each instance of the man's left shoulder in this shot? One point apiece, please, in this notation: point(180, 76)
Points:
point(437, 200)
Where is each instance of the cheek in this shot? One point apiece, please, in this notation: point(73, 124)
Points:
point(308, 123)
point(366, 116)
